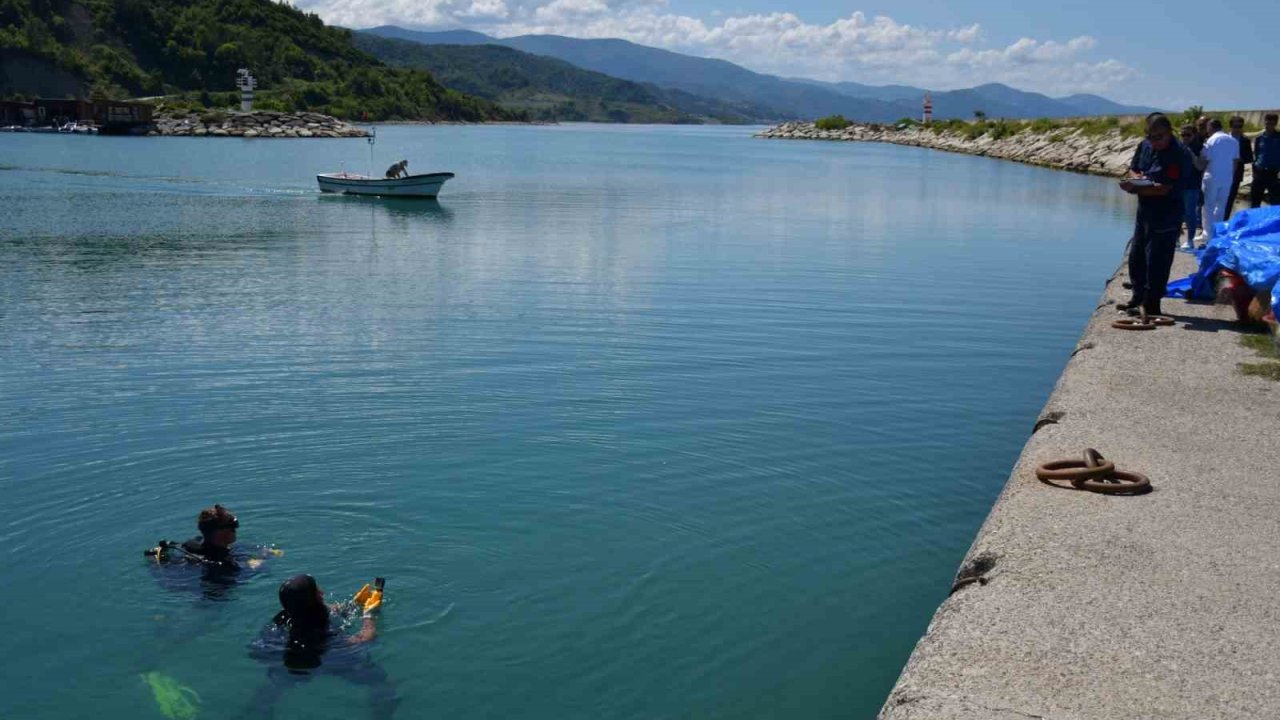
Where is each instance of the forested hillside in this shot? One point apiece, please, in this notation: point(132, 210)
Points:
point(194, 47)
point(547, 88)
point(768, 96)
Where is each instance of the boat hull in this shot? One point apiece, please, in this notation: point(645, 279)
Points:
point(425, 186)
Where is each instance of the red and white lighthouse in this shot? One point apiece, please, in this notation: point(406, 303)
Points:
point(928, 108)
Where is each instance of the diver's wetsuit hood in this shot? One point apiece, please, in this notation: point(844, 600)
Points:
point(307, 619)
point(303, 610)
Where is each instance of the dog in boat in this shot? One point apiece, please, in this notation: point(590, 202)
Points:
point(399, 169)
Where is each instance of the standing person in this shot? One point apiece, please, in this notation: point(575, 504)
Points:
point(1246, 158)
point(1198, 163)
point(1157, 176)
point(1191, 195)
point(1220, 153)
point(1266, 164)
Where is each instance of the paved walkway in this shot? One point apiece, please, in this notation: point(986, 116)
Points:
point(1165, 605)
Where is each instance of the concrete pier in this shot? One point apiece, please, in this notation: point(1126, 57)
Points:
point(1093, 607)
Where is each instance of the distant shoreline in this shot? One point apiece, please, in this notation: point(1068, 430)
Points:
point(1107, 153)
point(378, 123)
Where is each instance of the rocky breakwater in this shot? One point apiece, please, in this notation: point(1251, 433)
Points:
point(257, 124)
point(1106, 153)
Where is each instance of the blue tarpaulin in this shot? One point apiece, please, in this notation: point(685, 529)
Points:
point(1248, 245)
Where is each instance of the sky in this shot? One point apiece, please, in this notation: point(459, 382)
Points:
point(1169, 54)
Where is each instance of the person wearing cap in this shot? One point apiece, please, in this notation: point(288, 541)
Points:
point(1246, 158)
point(1266, 164)
point(1220, 153)
point(303, 640)
point(1157, 175)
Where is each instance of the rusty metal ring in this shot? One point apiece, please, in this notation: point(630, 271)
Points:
point(1075, 472)
point(1161, 320)
point(966, 582)
point(1093, 458)
point(1120, 482)
point(1132, 324)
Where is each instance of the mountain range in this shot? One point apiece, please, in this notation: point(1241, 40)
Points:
point(545, 88)
point(776, 97)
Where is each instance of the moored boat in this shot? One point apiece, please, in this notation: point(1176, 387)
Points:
point(426, 185)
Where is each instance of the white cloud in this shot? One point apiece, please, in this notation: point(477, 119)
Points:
point(558, 12)
point(966, 34)
point(486, 9)
point(1023, 52)
point(868, 49)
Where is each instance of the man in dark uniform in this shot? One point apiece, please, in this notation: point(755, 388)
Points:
point(1192, 196)
point(1157, 176)
point(1266, 163)
point(1246, 158)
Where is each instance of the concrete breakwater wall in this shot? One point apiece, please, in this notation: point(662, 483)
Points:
point(1076, 605)
point(258, 124)
point(1105, 154)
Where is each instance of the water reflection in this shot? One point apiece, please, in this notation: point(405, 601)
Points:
point(386, 218)
point(393, 207)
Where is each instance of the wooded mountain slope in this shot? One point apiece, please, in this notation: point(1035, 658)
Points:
point(162, 47)
point(547, 88)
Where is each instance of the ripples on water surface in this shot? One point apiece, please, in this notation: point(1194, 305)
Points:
point(639, 422)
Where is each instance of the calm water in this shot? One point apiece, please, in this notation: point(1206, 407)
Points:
point(639, 422)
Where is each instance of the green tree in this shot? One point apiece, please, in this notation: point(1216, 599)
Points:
point(832, 122)
point(189, 51)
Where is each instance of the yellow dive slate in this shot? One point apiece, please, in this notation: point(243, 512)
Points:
point(370, 598)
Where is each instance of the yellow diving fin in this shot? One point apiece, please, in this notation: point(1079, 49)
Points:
point(370, 598)
point(175, 701)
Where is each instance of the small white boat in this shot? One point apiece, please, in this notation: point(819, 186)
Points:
point(425, 186)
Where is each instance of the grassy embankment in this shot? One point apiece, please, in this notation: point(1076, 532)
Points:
point(1265, 346)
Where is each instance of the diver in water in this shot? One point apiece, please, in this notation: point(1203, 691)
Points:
point(207, 568)
point(308, 637)
point(210, 563)
point(212, 547)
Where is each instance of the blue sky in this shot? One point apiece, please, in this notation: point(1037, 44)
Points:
point(1168, 54)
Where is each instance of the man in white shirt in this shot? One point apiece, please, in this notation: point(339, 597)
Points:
point(1220, 154)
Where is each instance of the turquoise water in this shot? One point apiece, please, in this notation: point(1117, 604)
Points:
point(639, 422)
